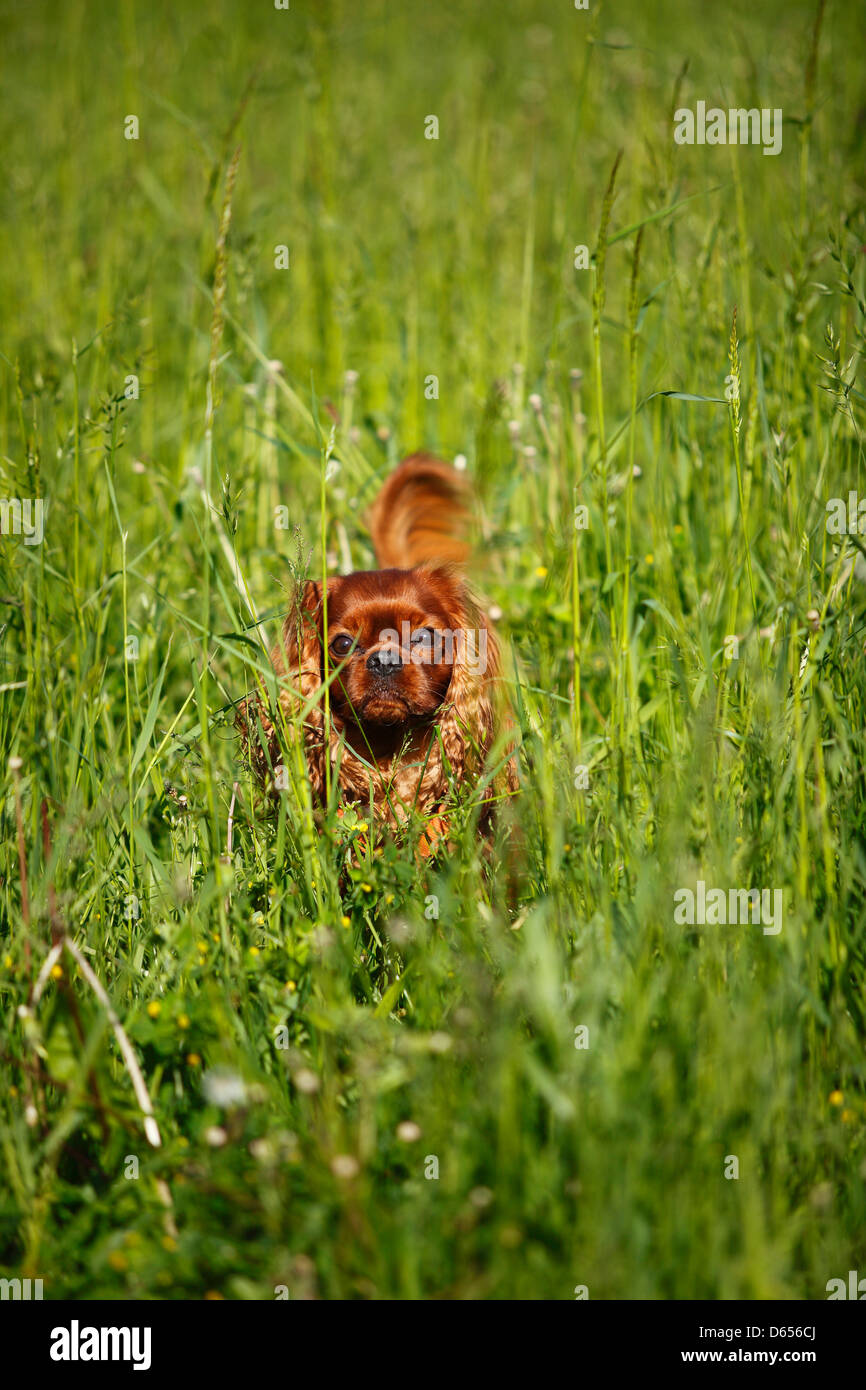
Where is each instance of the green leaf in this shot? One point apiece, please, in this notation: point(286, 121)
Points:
point(390, 997)
point(150, 718)
point(686, 396)
point(663, 212)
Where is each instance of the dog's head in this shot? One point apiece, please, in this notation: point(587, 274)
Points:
point(401, 653)
point(397, 646)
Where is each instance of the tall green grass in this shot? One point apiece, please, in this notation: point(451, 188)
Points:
point(317, 1022)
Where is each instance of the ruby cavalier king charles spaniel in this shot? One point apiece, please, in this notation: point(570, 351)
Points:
point(392, 675)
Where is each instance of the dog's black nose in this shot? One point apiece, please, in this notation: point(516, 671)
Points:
point(384, 663)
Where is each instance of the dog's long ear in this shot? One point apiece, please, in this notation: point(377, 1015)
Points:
point(298, 654)
point(296, 660)
point(468, 724)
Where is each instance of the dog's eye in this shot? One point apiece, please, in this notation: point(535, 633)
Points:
point(422, 636)
point(342, 645)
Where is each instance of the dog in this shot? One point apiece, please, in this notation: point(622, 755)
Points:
point(392, 676)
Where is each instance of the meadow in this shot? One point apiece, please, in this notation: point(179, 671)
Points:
point(250, 1050)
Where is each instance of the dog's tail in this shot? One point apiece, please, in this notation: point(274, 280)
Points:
point(421, 516)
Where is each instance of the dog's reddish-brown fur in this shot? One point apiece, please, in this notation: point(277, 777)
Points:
point(404, 721)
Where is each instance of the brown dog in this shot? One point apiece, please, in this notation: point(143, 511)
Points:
point(399, 664)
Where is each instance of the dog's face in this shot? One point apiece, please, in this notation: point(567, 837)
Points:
point(391, 641)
